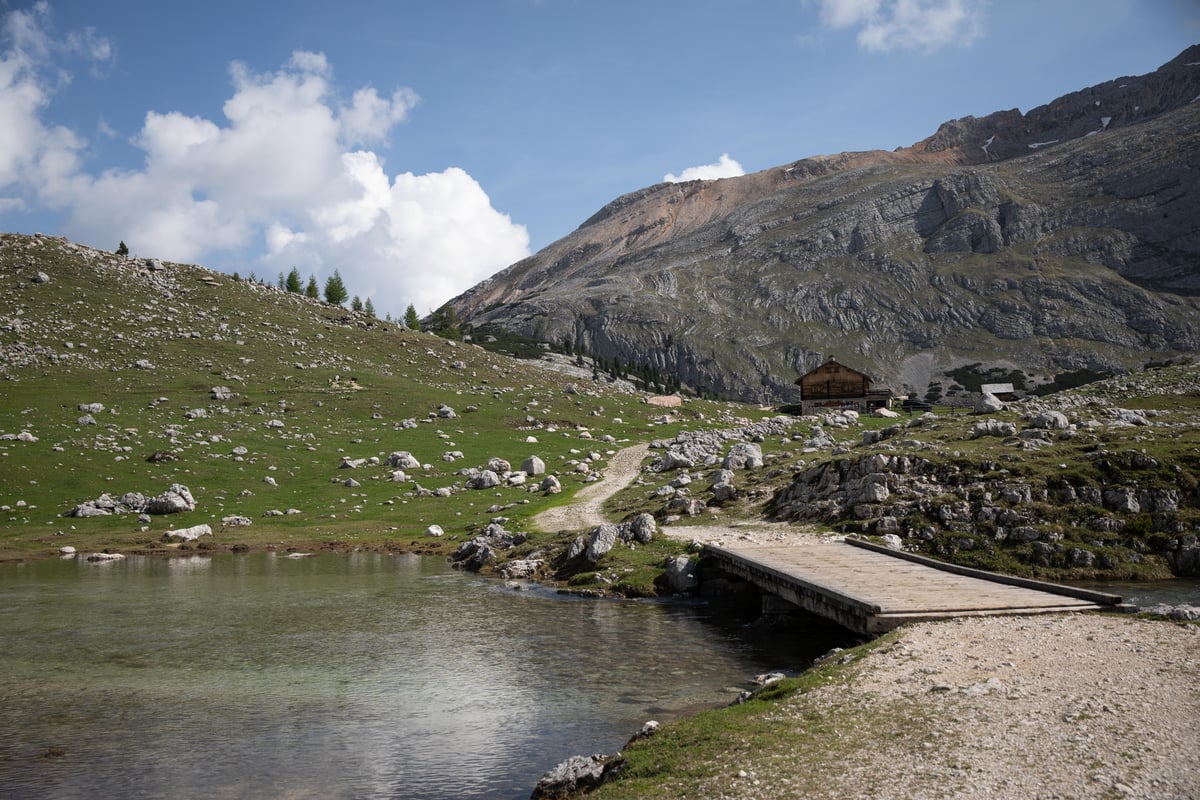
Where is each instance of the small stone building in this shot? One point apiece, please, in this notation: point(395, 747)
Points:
point(834, 385)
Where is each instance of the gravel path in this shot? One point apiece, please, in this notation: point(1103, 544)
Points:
point(1063, 706)
point(587, 510)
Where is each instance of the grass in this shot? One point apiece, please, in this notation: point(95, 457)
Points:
point(315, 384)
point(777, 731)
point(340, 384)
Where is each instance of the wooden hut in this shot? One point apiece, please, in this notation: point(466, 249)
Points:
point(834, 385)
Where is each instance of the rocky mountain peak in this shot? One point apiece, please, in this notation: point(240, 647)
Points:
point(1062, 238)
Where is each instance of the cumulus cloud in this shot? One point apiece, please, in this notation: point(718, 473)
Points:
point(725, 167)
point(283, 180)
point(885, 25)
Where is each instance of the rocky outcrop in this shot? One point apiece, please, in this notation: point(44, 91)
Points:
point(1056, 240)
point(1126, 507)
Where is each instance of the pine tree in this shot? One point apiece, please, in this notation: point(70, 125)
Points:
point(311, 290)
point(281, 282)
point(356, 304)
point(335, 290)
point(411, 320)
point(123, 249)
point(444, 323)
point(369, 308)
point(293, 282)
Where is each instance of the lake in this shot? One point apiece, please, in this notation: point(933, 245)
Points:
point(338, 676)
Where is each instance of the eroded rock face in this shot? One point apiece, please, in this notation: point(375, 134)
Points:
point(817, 251)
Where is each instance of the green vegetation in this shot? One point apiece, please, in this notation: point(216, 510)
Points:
point(339, 390)
point(701, 755)
point(335, 289)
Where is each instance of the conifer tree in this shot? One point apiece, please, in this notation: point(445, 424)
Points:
point(356, 304)
point(312, 290)
point(123, 249)
point(293, 282)
point(335, 290)
point(369, 308)
point(411, 320)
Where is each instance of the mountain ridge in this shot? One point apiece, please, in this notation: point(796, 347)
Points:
point(1074, 223)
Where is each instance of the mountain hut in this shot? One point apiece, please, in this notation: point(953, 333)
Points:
point(834, 385)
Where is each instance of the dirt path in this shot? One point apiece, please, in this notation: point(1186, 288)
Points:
point(587, 510)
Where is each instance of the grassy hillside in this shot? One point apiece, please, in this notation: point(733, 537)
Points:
point(311, 385)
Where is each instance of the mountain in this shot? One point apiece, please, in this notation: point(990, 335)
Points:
point(1065, 238)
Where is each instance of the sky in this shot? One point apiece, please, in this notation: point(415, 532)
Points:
point(419, 147)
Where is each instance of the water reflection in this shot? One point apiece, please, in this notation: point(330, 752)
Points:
point(361, 676)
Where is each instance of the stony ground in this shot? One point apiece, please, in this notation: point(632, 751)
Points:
point(1063, 706)
point(1056, 706)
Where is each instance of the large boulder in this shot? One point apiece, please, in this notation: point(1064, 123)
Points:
point(175, 500)
point(485, 479)
point(402, 459)
point(573, 776)
point(188, 534)
point(643, 527)
point(533, 466)
point(680, 574)
point(744, 455)
point(1051, 421)
point(988, 404)
point(600, 540)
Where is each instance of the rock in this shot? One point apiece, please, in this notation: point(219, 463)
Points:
point(744, 455)
point(1050, 420)
point(104, 557)
point(521, 569)
point(550, 485)
point(993, 428)
point(600, 540)
point(887, 413)
point(446, 412)
point(474, 554)
point(91, 408)
point(175, 500)
point(1180, 612)
point(577, 548)
point(352, 463)
point(892, 541)
point(988, 404)
point(498, 465)
point(643, 527)
point(235, 521)
point(485, 479)
point(1122, 499)
point(680, 574)
point(67, 550)
point(435, 530)
point(572, 777)
point(533, 466)
point(187, 534)
point(402, 459)
point(86, 419)
point(143, 363)
point(40, 277)
point(221, 393)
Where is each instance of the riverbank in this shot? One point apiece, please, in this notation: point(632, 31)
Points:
point(1080, 706)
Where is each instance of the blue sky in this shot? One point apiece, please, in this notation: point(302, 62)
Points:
point(419, 147)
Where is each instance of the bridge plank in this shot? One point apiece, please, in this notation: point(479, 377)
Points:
point(882, 590)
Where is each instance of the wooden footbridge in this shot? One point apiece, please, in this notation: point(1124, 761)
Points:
point(871, 589)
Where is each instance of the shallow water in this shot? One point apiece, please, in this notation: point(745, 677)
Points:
point(359, 676)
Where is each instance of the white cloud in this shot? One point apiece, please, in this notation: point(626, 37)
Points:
point(277, 183)
point(885, 25)
point(725, 167)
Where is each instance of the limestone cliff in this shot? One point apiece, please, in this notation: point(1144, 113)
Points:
point(1067, 237)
